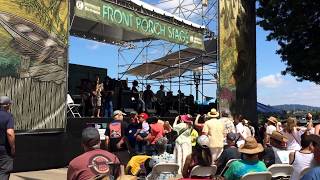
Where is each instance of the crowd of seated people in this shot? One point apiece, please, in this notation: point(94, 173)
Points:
point(145, 143)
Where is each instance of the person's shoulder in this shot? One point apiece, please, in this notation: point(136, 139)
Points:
point(5, 114)
point(77, 161)
point(236, 163)
point(313, 174)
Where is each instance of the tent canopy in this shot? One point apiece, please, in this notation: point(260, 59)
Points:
point(177, 63)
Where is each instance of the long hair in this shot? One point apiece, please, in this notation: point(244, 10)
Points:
point(291, 123)
point(202, 155)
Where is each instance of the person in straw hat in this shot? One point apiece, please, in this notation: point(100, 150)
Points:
point(250, 160)
point(214, 128)
point(271, 126)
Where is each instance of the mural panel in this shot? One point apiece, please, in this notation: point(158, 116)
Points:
point(33, 61)
point(237, 50)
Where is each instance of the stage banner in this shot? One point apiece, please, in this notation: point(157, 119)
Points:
point(114, 15)
point(33, 62)
point(237, 57)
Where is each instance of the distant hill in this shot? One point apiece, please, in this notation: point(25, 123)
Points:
point(296, 107)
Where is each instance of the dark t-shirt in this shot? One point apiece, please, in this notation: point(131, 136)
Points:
point(116, 130)
point(131, 130)
point(148, 95)
point(93, 163)
point(6, 122)
point(227, 154)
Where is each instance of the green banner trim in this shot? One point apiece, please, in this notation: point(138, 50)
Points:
point(114, 15)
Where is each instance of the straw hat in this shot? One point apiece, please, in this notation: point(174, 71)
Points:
point(251, 146)
point(213, 113)
point(273, 120)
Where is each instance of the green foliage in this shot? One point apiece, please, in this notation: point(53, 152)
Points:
point(295, 25)
point(45, 11)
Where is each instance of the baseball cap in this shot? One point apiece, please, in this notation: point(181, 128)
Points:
point(90, 136)
point(144, 115)
point(116, 112)
point(203, 140)
point(4, 100)
point(232, 136)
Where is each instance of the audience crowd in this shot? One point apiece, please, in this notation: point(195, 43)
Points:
point(231, 145)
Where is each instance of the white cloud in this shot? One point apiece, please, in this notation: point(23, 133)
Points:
point(94, 45)
point(291, 92)
point(271, 81)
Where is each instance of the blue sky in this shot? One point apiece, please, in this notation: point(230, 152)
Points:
point(272, 87)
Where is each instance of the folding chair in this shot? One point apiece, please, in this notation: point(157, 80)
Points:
point(72, 107)
point(227, 166)
point(304, 171)
point(281, 170)
point(203, 171)
point(257, 176)
point(163, 169)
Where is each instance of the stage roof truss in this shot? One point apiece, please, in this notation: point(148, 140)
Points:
point(86, 24)
point(177, 63)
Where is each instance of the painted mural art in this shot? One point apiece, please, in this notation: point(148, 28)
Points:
point(33, 61)
point(237, 55)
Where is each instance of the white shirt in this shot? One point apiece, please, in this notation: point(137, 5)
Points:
point(270, 129)
point(294, 139)
point(240, 130)
point(301, 161)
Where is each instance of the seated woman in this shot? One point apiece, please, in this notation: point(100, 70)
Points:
point(200, 156)
point(249, 162)
point(303, 158)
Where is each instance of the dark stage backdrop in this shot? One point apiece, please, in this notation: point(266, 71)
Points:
point(33, 62)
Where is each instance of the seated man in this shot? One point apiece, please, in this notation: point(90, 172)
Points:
point(161, 157)
point(314, 173)
point(230, 152)
point(249, 163)
point(94, 161)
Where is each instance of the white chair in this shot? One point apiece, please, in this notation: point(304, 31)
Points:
point(72, 107)
point(304, 171)
point(163, 169)
point(203, 171)
point(257, 176)
point(227, 166)
point(281, 170)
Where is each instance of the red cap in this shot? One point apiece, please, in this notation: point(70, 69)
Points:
point(144, 115)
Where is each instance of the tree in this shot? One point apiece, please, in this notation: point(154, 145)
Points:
point(295, 25)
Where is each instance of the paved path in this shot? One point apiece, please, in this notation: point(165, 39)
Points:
point(51, 174)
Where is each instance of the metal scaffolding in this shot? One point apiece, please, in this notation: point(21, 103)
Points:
point(204, 76)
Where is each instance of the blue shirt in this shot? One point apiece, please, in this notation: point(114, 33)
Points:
point(6, 122)
point(239, 168)
point(313, 174)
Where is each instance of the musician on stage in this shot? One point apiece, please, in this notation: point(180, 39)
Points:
point(161, 99)
point(108, 96)
point(138, 103)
